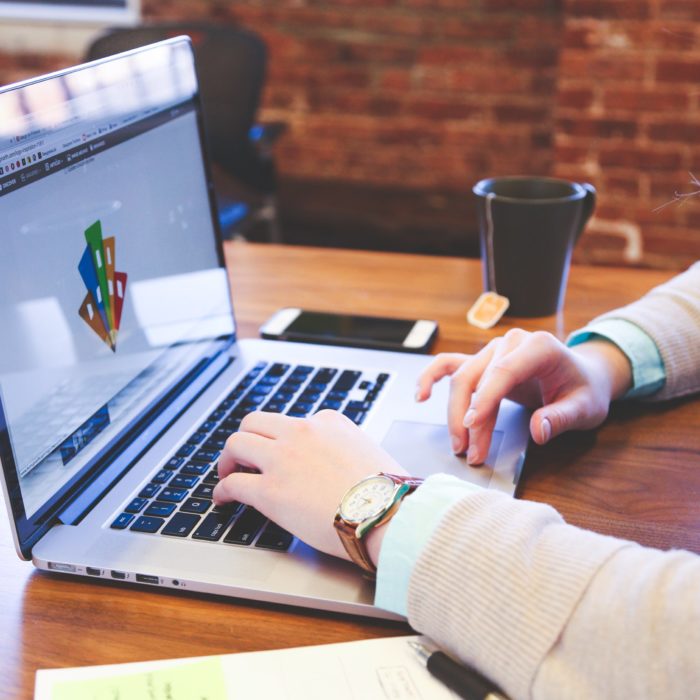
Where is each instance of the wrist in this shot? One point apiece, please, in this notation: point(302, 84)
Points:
point(374, 540)
point(364, 511)
point(610, 364)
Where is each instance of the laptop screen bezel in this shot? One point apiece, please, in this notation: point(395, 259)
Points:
point(28, 531)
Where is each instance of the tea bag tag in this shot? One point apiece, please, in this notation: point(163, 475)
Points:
point(487, 310)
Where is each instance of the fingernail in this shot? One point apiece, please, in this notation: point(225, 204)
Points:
point(546, 430)
point(417, 394)
point(457, 445)
point(473, 454)
point(469, 417)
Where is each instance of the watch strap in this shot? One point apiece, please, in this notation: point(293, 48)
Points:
point(352, 535)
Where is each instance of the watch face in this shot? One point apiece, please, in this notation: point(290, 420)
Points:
point(367, 499)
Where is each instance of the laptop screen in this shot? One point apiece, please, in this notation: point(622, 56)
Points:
point(112, 283)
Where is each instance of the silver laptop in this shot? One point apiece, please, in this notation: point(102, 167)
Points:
point(120, 371)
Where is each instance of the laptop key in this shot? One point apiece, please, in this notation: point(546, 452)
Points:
point(194, 470)
point(186, 450)
point(147, 523)
point(196, 505)
point(161, 477)
point(277, 370)
point(183, 482)
point(205, 455)
point(356, 416)
point(203, 491)
point(246, 527)
point(213, 526)
point(136, 505)
point(122, 521)
point(346, 380)
point(274, 537)
point(212, 477)
point(160, 510)
point(180, 525)
point(149, 490)
point(172, 495)
point(196, 438)
point(174, 463)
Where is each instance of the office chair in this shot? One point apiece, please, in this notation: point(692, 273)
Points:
point(231, 64)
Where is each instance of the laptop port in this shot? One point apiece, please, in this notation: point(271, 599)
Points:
point(118, 574)
point(65, 568)
point(144, 578)
point(93, 572)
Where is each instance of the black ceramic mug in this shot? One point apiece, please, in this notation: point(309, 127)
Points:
point(528, 227)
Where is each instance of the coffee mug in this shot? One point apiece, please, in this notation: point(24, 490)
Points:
point(528, 227)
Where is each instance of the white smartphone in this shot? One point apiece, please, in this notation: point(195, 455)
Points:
point(326, 328)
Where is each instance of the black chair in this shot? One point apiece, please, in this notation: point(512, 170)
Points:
point(231, 65)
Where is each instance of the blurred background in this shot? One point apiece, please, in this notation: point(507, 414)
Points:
point(393, 109)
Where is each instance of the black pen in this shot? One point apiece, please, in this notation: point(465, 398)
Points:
point(465, 681)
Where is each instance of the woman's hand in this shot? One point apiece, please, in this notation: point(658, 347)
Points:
point(305, 467)
point(571, 387)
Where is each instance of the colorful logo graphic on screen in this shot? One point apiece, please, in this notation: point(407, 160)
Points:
point(102, 307)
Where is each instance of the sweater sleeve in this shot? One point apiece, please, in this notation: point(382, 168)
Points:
point(548, 610)
point(670, 315)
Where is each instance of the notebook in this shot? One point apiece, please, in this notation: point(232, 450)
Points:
point(121, 373)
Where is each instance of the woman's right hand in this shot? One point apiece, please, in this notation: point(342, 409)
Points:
point(570, 388)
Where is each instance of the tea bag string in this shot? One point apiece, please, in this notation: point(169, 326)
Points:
point(491, 269)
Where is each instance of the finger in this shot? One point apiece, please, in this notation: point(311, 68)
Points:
point(462, 385)
point(443, 365)
point(520, 362)
point(266, 423)
point(481, 424)
point(239, 486)
point(247, 450)
point(573, 412)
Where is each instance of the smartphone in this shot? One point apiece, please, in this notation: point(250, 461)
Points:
point(357, 331)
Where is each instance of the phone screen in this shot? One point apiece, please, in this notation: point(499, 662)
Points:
point(322, 325)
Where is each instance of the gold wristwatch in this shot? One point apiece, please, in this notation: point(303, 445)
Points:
point(369, 503)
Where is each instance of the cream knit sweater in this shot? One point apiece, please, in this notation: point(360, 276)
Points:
point(548, 610)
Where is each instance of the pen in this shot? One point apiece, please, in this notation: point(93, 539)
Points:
point(465, 681)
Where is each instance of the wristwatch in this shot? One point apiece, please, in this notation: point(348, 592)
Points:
point(371, 502)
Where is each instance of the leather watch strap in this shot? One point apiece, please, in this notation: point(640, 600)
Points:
point(355, 546)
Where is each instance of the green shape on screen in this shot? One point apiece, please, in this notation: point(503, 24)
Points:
point(200, 680)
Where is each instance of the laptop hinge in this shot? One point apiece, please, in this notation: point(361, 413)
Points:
point(84, 501)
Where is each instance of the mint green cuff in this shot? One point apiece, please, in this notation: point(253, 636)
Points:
point(648, 371)
point(407, 534)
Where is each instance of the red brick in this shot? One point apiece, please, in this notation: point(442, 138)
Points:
point(599, 127)
point(627, 185)
point(680, 9)
point(443, 109)
point(676, 131)
point(621, 9)
point(678, 71)
point(518, 113)
point(639, 99)
point(602, 66)
point(578, 98)
point(457, 55)
point(641, 157)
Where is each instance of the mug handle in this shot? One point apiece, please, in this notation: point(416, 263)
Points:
point(588, 207)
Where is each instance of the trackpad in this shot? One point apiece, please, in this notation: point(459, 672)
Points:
point(423, 449)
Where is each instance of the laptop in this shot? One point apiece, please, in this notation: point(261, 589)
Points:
point(121, 374)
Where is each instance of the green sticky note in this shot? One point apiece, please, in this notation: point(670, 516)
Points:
point(199, 680)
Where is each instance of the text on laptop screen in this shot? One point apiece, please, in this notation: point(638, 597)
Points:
point(110, 279)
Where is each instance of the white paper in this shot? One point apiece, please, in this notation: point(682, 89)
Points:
point(375, 669)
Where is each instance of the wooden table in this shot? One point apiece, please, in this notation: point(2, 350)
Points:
point(636, 477)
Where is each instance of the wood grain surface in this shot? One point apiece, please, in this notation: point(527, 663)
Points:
point(638, 476)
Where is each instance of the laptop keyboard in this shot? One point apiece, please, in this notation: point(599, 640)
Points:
point(177, 501)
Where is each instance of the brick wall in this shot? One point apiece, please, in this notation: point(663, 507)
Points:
point(424, 97)
point(627, 118)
